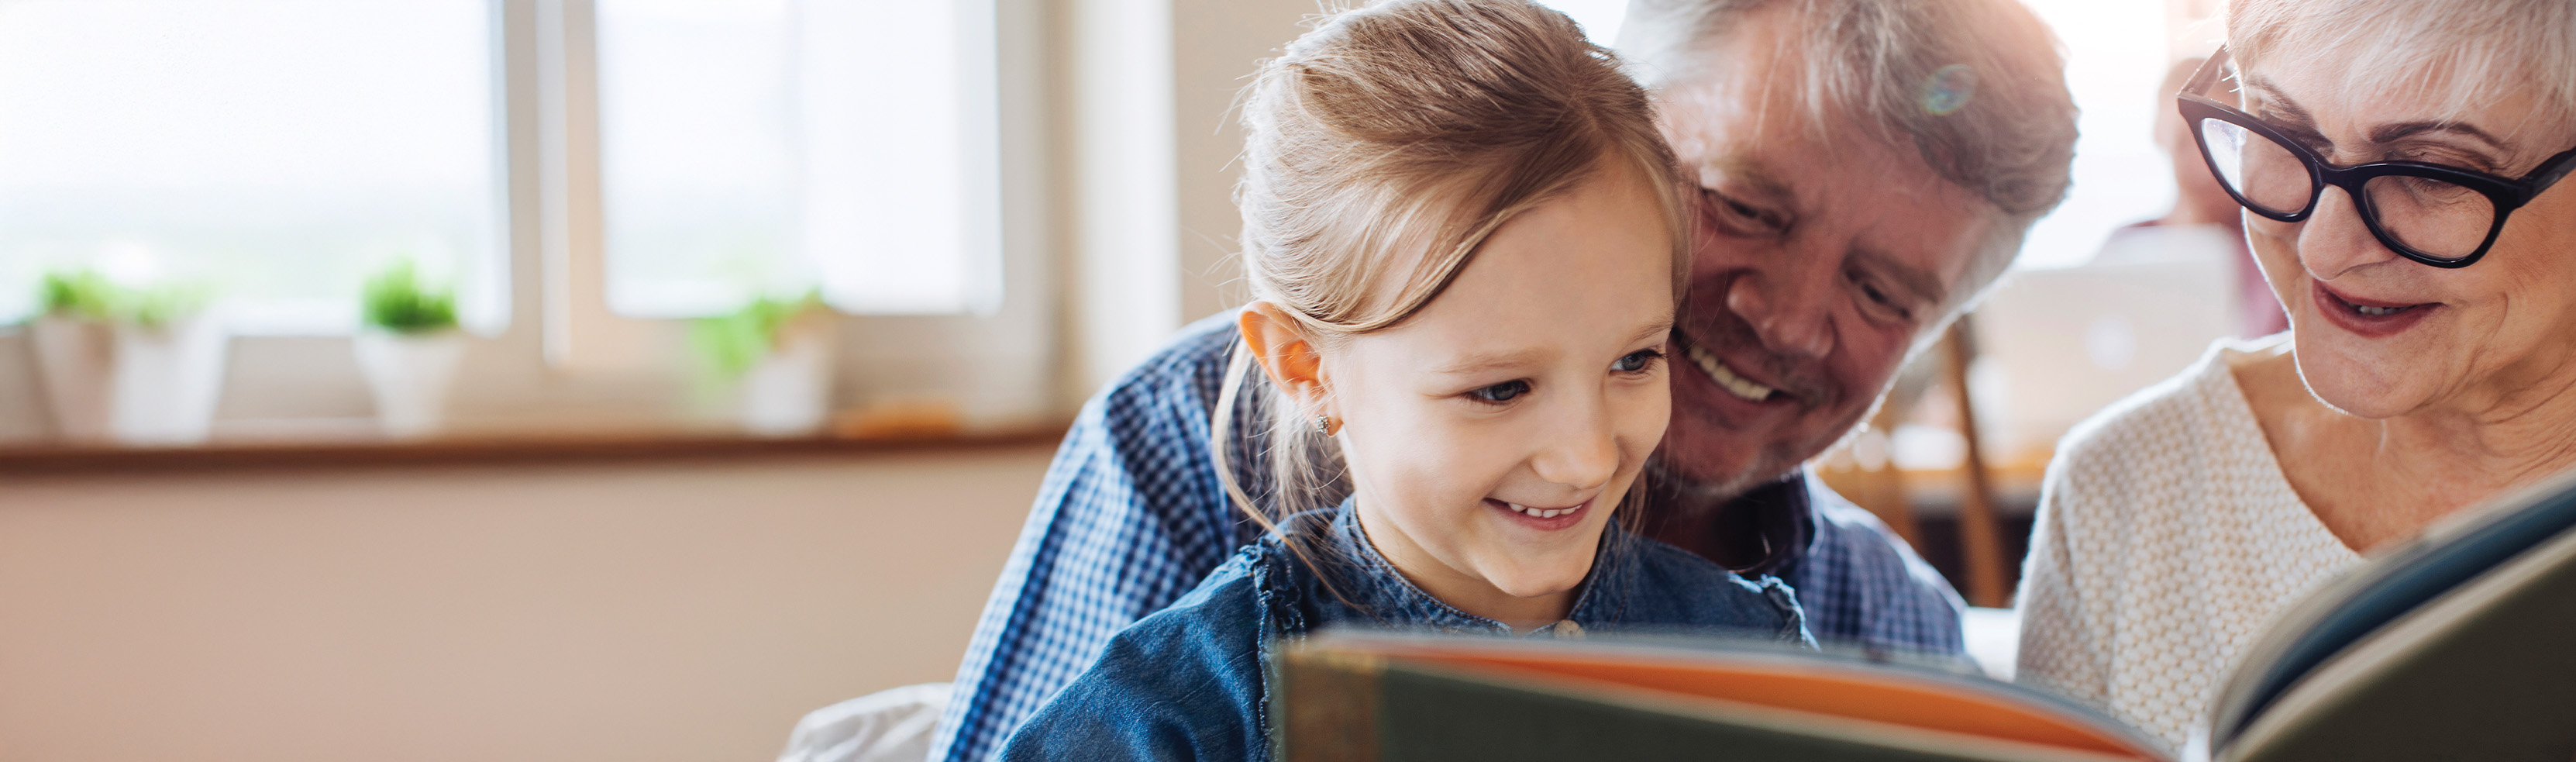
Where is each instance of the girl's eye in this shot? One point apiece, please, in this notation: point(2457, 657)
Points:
point(1638, 361)
point(1500, 393)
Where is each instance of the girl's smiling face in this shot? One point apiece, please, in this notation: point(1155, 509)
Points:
point(1490, 436)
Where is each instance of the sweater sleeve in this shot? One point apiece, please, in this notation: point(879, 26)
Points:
point(2059, 651)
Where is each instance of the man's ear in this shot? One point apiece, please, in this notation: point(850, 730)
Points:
point(1280, 344)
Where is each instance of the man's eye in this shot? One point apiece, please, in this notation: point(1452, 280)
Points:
point(1876, 296)
point(1880, 300)
point(1638, 361)
point(1500, 393)
point(1737, 217)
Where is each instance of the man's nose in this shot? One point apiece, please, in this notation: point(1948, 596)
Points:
point(2333, 240)
point(1790, 307)
point(1583, 452)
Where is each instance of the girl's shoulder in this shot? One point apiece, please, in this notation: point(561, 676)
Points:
point(1182, 683)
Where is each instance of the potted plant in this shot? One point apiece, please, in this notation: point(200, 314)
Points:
point(129, 364)
point(777, 355)
point(408, 349)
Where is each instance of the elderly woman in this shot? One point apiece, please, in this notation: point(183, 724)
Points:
point(2395, 159)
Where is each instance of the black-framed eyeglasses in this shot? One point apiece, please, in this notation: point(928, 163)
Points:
point(2441, 216)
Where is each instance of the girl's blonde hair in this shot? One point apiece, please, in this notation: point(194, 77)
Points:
point(1382, 149)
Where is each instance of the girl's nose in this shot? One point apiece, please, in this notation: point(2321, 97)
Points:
point(1582, 454)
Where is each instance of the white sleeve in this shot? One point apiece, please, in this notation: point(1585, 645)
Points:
point(2061, 637)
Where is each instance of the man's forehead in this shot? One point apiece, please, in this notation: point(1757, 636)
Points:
point(1883, 208)
point(1865, 178)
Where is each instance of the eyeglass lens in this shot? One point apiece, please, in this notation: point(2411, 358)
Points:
point(2436, 218)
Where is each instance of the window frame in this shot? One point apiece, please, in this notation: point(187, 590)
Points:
point(564, 363)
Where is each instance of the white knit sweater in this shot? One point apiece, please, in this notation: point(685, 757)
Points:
point(2167, 539)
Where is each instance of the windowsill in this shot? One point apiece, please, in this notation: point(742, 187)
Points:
point(495, 450)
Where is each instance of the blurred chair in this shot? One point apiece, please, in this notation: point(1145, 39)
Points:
point(1981, 548)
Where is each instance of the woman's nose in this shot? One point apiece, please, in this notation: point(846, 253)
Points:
point(1790, 310)
point(1583, 452)
point(2333, 240)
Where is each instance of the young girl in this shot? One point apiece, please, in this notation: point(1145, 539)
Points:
point(1465, 243)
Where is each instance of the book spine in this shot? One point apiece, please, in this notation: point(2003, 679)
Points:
point(1326, 708)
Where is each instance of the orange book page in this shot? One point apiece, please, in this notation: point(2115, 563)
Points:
point(1927, 705)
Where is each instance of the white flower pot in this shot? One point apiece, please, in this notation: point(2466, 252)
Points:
point(410, 375)
point(131, 384)
point(75, 360)
point(789, 392)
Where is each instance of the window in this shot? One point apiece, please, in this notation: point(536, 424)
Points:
point(274, 151)
point(770, 146)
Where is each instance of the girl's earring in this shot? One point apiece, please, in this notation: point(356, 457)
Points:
point(1324, 425)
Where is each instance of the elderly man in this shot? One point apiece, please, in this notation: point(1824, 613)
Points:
point(1865, 168)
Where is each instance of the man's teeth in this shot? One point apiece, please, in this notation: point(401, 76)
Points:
point(1726, 379)
point(1544, 513)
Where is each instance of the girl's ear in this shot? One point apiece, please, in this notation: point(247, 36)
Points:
point(1279, 343)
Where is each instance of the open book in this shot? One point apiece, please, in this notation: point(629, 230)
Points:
point(2459, 646)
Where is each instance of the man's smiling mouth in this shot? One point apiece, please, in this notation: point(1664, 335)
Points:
point(1726, 378)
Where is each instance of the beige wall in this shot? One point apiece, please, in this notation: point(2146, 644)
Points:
point(658, 610)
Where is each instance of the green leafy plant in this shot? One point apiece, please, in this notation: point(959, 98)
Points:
point(398, 300)
point(733, 343)
point(89, 295)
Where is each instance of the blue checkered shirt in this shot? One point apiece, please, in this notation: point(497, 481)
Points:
point(1131, 516)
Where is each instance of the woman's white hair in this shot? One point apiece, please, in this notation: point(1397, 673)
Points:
point(2465, 54)
point(1977, 87)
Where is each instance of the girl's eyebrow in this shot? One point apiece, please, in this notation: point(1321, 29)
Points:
point(1661, 326)
point(1522, 358)
point(1487, 361)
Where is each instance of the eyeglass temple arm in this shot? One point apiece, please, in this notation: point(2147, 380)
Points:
point(2208, 73)
point(2555, 167)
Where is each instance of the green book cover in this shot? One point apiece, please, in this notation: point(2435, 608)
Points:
point(2454, 647)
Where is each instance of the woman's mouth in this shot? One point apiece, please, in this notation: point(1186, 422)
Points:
point(2368, 317)
point(1541, 517)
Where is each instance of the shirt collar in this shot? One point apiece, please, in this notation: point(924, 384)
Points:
point(1767, 529)
point(1364, 580)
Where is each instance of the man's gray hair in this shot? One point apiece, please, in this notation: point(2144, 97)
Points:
point(2466, 54)
point(1977, 87)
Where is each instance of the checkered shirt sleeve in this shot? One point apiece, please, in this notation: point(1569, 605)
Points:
point(1863, 586)
point(1129, 517)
